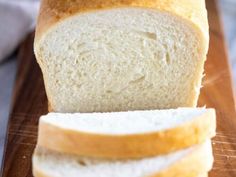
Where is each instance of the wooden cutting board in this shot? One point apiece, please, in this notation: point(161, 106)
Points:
point(29, 102)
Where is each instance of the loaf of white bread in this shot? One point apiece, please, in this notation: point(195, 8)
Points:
point(119, 55)
point(160, 143)
point(123, 55)
point(125, 135)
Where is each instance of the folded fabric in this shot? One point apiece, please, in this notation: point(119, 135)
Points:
point(17, 20)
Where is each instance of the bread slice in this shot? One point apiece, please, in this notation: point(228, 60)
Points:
point(123, 135)
point(190, 162)
point(119, 55)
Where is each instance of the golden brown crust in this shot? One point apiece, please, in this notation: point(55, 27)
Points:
point(192, 165)
point(53, 11)
point(127, 146)
point(38, 173)
point(50, 109)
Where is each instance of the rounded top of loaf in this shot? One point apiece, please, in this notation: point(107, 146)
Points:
point(53, 11)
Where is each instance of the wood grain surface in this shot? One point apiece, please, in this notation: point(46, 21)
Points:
point(29, 102)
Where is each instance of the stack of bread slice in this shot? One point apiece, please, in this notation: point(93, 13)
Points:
point(165, 143)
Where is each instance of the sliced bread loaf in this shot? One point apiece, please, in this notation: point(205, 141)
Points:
point(119, 55)
point(122, 135)
point(191, 162)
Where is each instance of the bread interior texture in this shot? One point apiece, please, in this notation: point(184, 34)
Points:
point(122, 59)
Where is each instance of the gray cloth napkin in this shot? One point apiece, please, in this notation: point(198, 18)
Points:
point(17, 19)
point(228, 15)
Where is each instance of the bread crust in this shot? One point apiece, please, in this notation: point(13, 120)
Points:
point(39, 173)
point(127, 146)
point(53, 11)
point(196, 163)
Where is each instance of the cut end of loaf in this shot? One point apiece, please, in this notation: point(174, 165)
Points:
point(121, 59)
